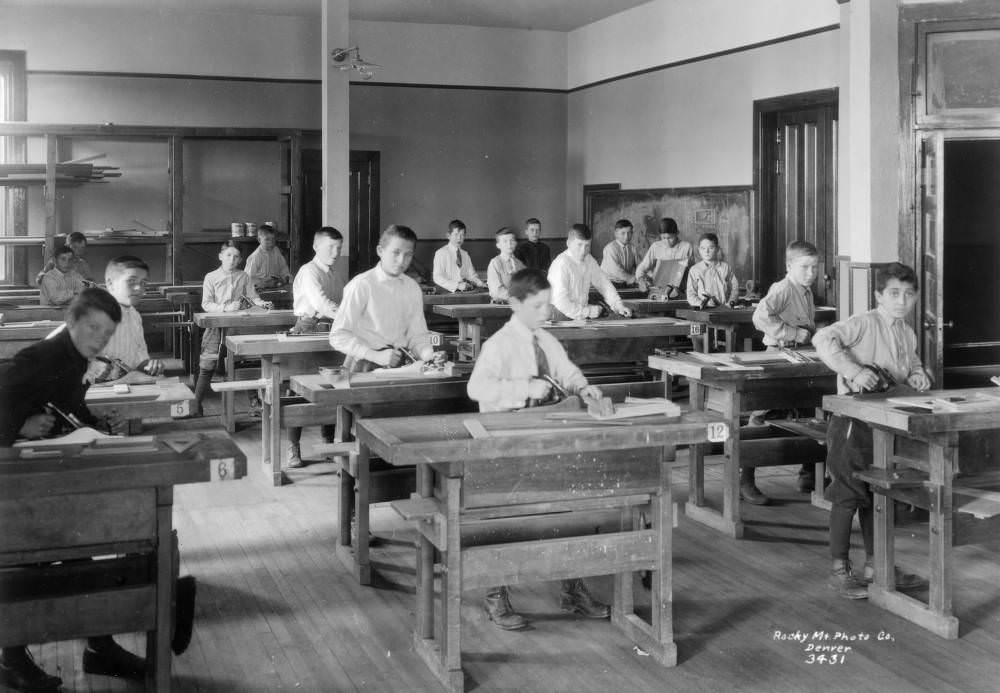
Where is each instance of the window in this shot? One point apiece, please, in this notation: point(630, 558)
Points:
point(12, 150)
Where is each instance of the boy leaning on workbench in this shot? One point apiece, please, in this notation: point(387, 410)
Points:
point(511, 373)
point(870, 352)
point(787, 317)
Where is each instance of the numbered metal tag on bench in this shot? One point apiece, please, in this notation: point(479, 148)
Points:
point(223, 469)
point(180, 409)
point(717, 432)
point(697, 328)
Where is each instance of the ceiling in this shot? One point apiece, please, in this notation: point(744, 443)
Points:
point(553, 15)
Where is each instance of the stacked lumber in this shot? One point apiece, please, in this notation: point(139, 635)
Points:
point(66, 174)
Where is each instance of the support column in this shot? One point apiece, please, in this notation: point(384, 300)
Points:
point(869, 164)
point(336, 125)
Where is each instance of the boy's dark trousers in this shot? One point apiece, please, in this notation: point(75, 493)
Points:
point(849, 446)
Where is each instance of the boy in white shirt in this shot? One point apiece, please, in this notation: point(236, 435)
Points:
point(504, 265)
point(666, 261)
point(619, 258)
point(508, 375)
point(453, 269)
point(572, 274)
point(125, 279)
point(266, 265)
point(316, 295)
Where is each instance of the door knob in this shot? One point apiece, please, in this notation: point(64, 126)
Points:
point(950, 324)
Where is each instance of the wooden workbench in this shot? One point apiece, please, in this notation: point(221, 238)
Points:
point(165, 397)
point(17, 336)
point(279, 360)
point(544, 480)
point(771, 385)
point(371, 395)
point(938, 460)
point(737, 323)
point(76, 503)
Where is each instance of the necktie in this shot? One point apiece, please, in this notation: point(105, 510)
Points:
point(541, 366)
point(897, 334)
point(541, 362)
point(458, 257)
point(629, 262)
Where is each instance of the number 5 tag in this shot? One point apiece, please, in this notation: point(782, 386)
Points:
point(717, 432)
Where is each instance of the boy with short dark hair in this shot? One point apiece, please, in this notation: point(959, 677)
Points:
point(532, 251)
point(125, 279)
point(572, 274)
point(508, 375)
point(453, 268)
point(60, 284)
point(619, 258)
point(266, 265)
point(867, 351)
point(666, 262)
point(77, 242)
point(503, 266)
point(52, 372)
point(711, 282)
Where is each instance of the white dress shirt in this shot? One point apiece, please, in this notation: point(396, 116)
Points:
point(786, 308)
point(317, 291)
point(507, 364)
point(447, 273)
point(379, 310)
point(58, 288)
point(715, 280)
point(571, 282)
point(128, 343)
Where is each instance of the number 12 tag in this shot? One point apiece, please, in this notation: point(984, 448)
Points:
point(717, 432)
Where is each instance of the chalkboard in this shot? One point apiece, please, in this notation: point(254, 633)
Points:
point(724, 211)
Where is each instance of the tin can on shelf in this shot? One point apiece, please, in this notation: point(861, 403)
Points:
point(251, 229)
point(238, 229)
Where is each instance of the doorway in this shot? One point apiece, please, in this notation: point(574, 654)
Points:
point(970, 268)
point(795, 177)
point(363, 218)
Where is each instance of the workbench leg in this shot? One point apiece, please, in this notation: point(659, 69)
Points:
point(343, 434)
point(696, 453)
point(158, 662)
point(663, 583)
point(425, 565)
point(229, 398)
point(885, 548)
point(943, 458)
point(476, 337)
point(273, 370)
point(623, 603)
point(731, 479)
point(451, 593)
point(361, 494)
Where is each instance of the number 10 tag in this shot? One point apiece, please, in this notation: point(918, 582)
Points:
point(697, 328)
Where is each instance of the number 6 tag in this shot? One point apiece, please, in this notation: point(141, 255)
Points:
point(223, 469)
point(717, 432)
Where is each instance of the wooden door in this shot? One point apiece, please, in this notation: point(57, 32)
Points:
point(932, 252)
point(363, 224)
point(804, 195)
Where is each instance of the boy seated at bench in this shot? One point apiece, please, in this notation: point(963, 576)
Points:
point(572, 274)
point(453, 269)
point(533, 251)
point(60, 284)
point(666, 263)
point(51, 372)
point(619, 258)
point(509, 375)
point(503, 266)
point(381, 318)
point(870, 352)
point(77, 242)
point(266, 265)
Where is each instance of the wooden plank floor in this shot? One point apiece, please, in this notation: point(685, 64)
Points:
point(278, 611)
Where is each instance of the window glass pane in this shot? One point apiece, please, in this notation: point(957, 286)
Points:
point(963, 71)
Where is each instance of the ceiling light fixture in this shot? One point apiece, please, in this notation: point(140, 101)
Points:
point(350, 59)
